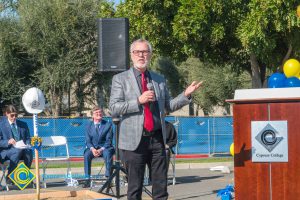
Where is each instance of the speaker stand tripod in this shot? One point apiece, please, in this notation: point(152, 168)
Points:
point(117, 167)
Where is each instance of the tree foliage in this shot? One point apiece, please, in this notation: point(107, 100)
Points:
point(167, 68)
point(219, 83)
point(14, 63)
point(251, 35)
point(269, 33)
point(206, 28)
point(152, 20)
point(61, 37)
point(201, 29)
point(52, 44)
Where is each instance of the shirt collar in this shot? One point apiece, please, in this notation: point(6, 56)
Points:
point(98, 123)
point(10, 123)
point(137, 73)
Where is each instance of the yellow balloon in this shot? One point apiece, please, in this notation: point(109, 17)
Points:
point(291, 68)
point(232, 149)
point(298, 11)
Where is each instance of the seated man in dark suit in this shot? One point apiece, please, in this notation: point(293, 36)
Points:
point(13, 130)
point(98, 138)
point(171, 140)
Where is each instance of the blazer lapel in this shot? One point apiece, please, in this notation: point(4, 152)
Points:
point(157, 91)
point(8, 128)
point(19, 130)
point(95, 133)
point(133, 82)
point(155, 85)
point(101, 131)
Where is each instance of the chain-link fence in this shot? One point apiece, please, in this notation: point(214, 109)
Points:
point(203, 135)
point(196, 135)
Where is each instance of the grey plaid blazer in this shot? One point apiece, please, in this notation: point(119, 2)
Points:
point(124, 103)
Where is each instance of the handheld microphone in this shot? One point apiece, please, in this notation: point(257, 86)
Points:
point(151, 87)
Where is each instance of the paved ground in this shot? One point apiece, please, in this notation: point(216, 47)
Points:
point(193, 182)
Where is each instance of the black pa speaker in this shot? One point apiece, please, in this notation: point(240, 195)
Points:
point(113, 47)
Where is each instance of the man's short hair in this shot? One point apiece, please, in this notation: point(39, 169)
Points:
point(96, 108)
point(11, 109)
point(142, 41)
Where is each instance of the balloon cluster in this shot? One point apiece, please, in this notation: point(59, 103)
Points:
point(290, 78)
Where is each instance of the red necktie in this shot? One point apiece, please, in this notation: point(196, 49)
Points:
point(148, 118)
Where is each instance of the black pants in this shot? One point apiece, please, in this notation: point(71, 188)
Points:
point(150, 150)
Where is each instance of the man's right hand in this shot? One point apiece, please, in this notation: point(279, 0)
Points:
point(12, 141)
point(147, 96)
point(95, 152)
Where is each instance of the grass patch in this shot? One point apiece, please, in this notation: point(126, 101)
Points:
point(73, 165)
point(178, 161)
point(205, 160)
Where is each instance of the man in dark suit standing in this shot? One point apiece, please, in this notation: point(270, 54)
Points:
point(12, 131)
point(140, 97)
point(98, 138)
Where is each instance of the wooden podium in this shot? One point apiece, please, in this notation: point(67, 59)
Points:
point(266, 180)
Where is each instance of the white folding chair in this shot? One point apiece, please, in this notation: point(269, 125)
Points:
point(3, 166)
point(147, 175)
point(51, 143)
point(172, 163)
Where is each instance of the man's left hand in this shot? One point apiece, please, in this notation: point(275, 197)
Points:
point(192, 88)
point(100, 151)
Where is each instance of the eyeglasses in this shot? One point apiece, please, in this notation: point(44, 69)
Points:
point(13, 115)
point(137, 52)
point(97, 113)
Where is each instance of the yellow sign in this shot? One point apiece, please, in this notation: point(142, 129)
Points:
point(21, 176)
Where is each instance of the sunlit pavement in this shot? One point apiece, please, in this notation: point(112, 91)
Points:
point(193, 181)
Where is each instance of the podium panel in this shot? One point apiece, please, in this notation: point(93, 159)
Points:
point(250, 179)
point(266, 180)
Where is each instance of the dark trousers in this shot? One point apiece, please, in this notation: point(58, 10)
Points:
point(150, 150)
point(15, 155)
point(88, 157)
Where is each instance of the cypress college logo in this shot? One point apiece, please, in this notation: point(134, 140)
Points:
point(268, 137)
point(21, 176)
point(269, 141)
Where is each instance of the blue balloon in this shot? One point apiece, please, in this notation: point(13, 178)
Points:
point(292, 82)
point(276, 80)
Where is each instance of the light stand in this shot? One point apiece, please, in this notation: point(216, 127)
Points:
point(116, 167)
